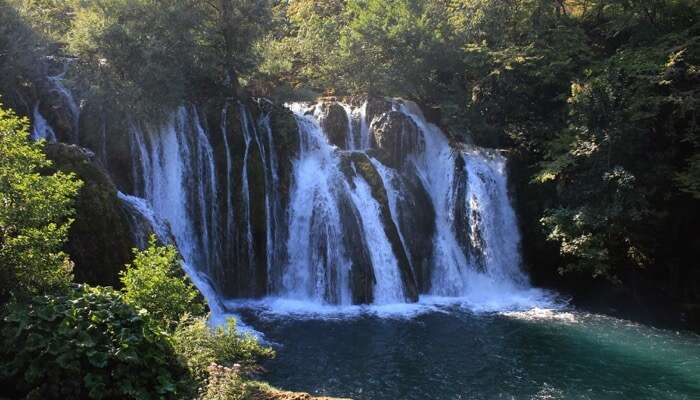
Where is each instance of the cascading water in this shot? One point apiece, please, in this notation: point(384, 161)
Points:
point(66, 96)
point(317, 266)
point(41, 128)
point(175, 173)
point(475, 244)
point(389, 212)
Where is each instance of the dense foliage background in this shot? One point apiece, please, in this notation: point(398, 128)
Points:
point(596, 101)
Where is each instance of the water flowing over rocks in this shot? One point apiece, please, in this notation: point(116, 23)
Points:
point(345, 201)
point(396, 137)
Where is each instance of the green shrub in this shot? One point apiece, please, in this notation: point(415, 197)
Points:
point(155, 282)
point(224, 383)
point(34, 214)
point(200, 347)
point(86, 344)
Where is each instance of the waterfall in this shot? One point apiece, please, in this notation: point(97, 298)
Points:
point(41, 128)
point(144, 221)
point(273, 207)
point(388, 288)
point(475, 245)
point(317, 267)
point(57, 86)
point(397, 213)
point(175, 173)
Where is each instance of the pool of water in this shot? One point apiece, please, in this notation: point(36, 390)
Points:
point(453, 352)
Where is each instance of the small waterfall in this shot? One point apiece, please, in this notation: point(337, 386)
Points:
point(317, 266)
point(175, 172)
point(229, 231)
point(145, 222)
point(57, 86)
point(273, 206)
point(391, 183)
point(249, 136)
point(388, 288)
point(41, 128)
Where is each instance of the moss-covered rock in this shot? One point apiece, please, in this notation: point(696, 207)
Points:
point(416, 220)
point(363, 166)
point(396, 137)
point(376, 106)
point(335, 124)
point(100, 240)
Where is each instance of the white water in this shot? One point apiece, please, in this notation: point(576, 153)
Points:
point(176, 173)
point(489, 279)
point(317, 268)
point(41, 128)
point(59, 88)
point(491, 217)
point(388, 288)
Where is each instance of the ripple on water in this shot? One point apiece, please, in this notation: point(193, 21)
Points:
point(440, 349)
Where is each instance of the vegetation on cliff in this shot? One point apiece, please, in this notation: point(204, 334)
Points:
point(596, 99)
point(62, 340)
point(35, 213)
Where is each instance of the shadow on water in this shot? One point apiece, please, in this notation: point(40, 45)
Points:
point(456, 354)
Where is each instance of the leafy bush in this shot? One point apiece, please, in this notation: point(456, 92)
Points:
point(224, 384)
point(34, 214)
point(86, 344)
point(155, 282)
point(200, 347)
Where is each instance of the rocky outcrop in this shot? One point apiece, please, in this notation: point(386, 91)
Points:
point(362, 279)
point(376, 106)
point(357, 162)
point(466, 216)
point(335, 124)
point(395, 137)
point(416, 219)
point(100, 240)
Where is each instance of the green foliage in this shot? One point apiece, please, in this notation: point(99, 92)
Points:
point(21, 55)
point(135, 50)
point(155, 283)
point(34, 214)
point(201, 346)
point(225, 384)
point(86, 344)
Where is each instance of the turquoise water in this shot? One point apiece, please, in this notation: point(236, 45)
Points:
point(449, 352)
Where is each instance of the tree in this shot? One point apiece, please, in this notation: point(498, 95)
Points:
point(35, 213)
point(155, 283)
point(140, 53)
point(228, 32)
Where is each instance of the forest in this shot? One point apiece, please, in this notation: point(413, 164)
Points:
point(594, 104)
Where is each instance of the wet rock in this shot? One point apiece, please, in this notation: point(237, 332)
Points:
point(335, 124)
point(376, 106)
point(416, 219)
point(466, 216)
point(396, 136)
point(100, 240)
point(363, 166)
